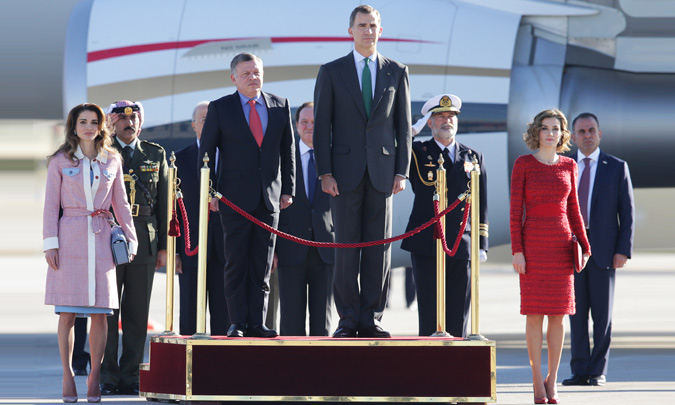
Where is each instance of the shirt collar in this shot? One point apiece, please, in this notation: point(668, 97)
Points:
point(451, 147)
point(358, 57)
point(594, 156)
point(244, 99)
point(102, 156)
point(303, 147)
point(132, 144)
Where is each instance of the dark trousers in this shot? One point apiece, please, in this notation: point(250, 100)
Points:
point(309, 284)
point(215, 297)
point(361, 215)
point(409, 286)
point(457, 294)
point(594, 293)
point(249, 250)
point(80, 356)
point(134, 286)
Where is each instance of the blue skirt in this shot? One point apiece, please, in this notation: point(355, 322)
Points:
point(82, 312)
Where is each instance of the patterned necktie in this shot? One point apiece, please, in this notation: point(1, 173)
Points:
point(367, 87)
point(126, 154)
point(311, 177)
point(584, 184)
point(255, 124)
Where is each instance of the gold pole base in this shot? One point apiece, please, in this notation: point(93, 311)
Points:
point(201, 336)
point(441, 333)
point(168, 333)
point(476, 337)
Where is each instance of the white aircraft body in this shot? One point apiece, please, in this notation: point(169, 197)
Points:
point(506, 60)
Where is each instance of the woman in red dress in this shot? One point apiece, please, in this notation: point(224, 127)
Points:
point(544, 217)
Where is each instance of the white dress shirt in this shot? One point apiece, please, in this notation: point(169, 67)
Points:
point(452, 149)
point(304, 157)
point(360, 62)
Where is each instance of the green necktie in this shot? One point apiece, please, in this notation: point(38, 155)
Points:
point(367, 87)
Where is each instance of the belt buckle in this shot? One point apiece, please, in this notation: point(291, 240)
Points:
point(135, 208)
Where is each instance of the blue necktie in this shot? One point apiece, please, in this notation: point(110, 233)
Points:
point(311, 177)
point(367, 87)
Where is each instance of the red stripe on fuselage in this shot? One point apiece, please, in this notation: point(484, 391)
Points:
point(163, 46)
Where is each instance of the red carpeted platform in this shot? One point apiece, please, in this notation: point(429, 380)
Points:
point(401, 369)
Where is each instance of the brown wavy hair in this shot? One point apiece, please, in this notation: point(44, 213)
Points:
point(531, 136)
point(103, 140)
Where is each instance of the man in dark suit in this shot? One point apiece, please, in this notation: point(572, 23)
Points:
point(188, 164)
point(458, 164)
point(606, 202)
point(306, 272)
point(254, 135)
point(362, 140)
point(145, 162)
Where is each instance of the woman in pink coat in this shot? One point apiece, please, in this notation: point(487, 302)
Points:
point(84, 179)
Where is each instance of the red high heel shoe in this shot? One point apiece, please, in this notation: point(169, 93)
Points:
point(554, 399)
point(543, 400)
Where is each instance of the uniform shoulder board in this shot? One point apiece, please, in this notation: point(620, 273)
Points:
point(148, 143)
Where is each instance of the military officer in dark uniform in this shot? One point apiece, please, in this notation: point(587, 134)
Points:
point(145, 171)
point(457, 158)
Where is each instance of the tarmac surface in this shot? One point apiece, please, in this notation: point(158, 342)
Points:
point(641, 369)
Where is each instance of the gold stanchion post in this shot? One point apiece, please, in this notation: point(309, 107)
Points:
point(170, 248)
point(204, 198)
point(475, 252)
point(442, 197)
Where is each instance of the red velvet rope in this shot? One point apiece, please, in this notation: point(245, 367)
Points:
point(186, 229)
point(452, 252)
point(341, 245)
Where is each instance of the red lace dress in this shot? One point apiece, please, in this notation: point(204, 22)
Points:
point(544, 215)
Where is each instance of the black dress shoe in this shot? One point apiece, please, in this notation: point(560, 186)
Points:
point(260, 331)
point(374, 332)
point(108, 389)
point(576, 380)
point(133, 389)
point(236, 330)
point(344, 332)
point(598, 380)
point(80, 363)
point(80, 371)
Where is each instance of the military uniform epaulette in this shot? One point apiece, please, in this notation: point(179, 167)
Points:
point(148, 143)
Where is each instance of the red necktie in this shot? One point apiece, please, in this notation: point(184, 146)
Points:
point(255, 124)
point(584, 183)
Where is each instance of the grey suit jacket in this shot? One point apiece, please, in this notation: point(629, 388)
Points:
point(346, 141)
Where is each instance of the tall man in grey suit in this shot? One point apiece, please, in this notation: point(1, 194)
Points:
point(306, 272)
point(606, 203)
point(254, 135)
point(362, 140)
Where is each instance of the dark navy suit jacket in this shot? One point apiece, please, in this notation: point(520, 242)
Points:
point(307, 221)
point(612, 211)
point(426, 160)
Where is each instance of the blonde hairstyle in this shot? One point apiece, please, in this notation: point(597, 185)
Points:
point(103, 140)
point(531, 137)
